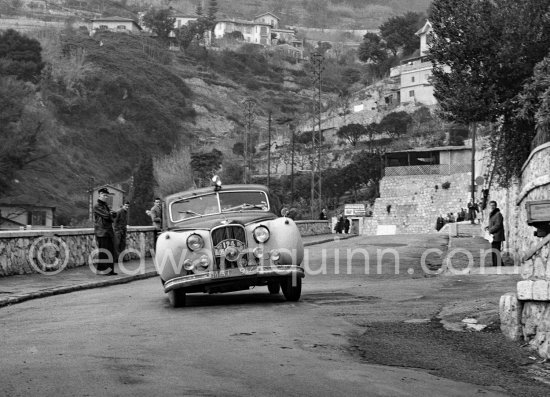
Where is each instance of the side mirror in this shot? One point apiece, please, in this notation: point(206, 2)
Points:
point(284, 211)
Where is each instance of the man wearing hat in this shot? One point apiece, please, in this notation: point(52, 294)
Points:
point(104, 234)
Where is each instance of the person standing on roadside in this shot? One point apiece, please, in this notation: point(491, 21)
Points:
point(156, 216)
point(496, 229)
point(104, 234)
point(472, 211)
point(121, 224)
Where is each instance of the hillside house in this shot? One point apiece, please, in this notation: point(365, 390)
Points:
point(115, 24)
point(414, 73)
point(445, 160)
point(18, 215)
point(183, 19)
point(269, 19)
point(253, 32)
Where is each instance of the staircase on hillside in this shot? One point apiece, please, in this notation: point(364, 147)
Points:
point(411, 204)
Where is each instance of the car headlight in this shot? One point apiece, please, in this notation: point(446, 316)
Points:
point(195, 242)
point(261, 234)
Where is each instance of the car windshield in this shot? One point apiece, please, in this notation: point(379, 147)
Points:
point(208, 204)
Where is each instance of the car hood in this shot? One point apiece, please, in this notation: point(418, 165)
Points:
point(212, 221)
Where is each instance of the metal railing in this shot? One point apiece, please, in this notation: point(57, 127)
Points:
point(434, 169)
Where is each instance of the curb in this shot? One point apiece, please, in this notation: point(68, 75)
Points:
point(120, 280)
point(73, 288)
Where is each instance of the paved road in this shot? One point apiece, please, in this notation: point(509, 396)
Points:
point(353, 334)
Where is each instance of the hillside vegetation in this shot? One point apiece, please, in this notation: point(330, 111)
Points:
point(336, 14)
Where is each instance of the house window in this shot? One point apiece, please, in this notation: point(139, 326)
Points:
point(179, 23)
point(38, 218)
point(412, 79)
point(263, 31)
point(121, 27)
point(411, 93)
point(103, 27)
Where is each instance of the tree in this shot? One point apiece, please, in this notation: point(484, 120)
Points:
point(395, 124)
point(372, 49)
point(20, 56)
point(483, 52)
point(351, 132)
point(18, 137)
point(399, 32)
point(234, 35)
point(463, 41)
point(161, 22)
point(204, 165)
point(172, 172)
point(185, 35)
point(143, 192)
point(535, 97)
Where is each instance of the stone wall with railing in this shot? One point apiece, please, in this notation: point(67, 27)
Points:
point(525, 313)
point(32, 251)
point(432, 169)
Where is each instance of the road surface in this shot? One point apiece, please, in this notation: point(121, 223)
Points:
point(352, 334)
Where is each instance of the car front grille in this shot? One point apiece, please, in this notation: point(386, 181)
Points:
point(232, 232)
point(229, 233)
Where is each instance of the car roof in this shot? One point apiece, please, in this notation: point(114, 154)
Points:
point(211, 189)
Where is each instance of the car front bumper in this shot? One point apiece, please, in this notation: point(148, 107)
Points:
point(234, 274)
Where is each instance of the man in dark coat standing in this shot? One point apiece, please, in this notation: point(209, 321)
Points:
point(104, 234)
point(121, 224)
point(472, 211)
point(496, 229)
point(346, 225)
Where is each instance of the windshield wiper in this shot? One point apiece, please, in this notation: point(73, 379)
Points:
point(244, 206)
point(189, 212)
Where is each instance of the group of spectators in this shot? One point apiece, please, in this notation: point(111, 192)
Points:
point(342, 223)
point(110, 230)
point(469, 214)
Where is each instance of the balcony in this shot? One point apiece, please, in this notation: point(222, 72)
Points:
point(432, 169)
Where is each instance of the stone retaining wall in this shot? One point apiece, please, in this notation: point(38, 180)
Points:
point(525, 313)
point(20, 250)
point(416, 202)
point(312, 228)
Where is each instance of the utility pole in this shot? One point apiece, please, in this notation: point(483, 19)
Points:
point(473, 127)
point(249, 105)
point(317, 138)
point(90, 198)
point(292, 168)
point(269, 149)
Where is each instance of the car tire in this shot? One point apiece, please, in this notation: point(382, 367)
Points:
point(274, 287)
point(176, 297)
point(292, 288)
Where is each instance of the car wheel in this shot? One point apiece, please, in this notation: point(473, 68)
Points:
point(274, 287)
point(176, 297)
point(292, 288)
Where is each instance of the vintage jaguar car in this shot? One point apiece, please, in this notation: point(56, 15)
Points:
point(227, 238)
